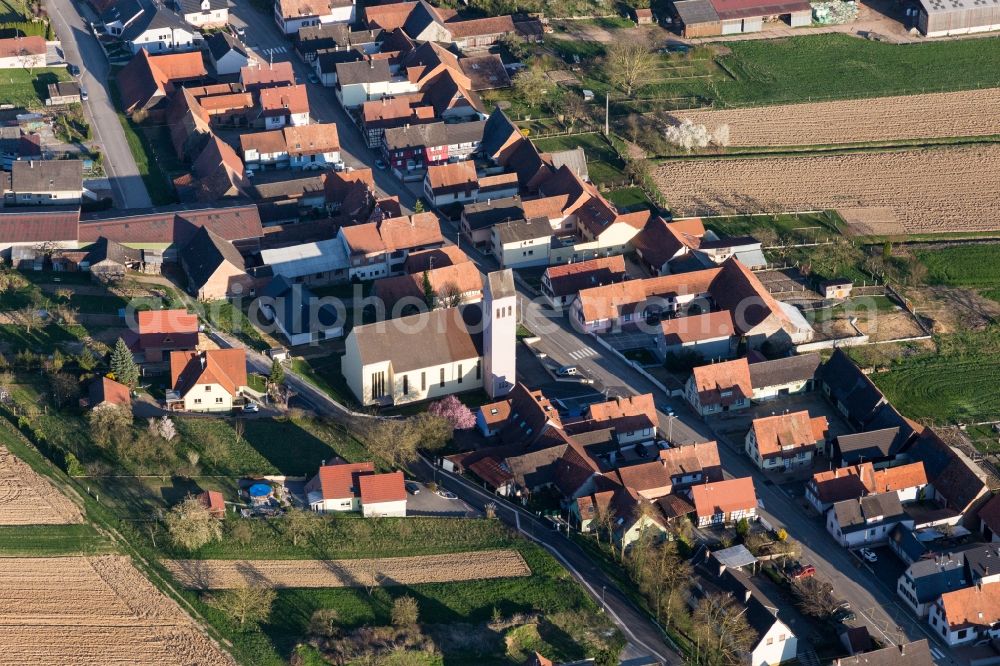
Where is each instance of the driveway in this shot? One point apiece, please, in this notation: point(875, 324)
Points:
point(427, 503)
point(80, 47)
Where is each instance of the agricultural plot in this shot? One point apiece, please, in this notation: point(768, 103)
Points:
point(938, 115)
point(970, 266)
point(222, 574)
point(27, 498)
point(96, 610)
point(928, 190)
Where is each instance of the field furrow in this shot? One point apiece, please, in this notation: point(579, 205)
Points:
point(931, 116)
point(913, 191)
point(221, 574)
point(27, 498)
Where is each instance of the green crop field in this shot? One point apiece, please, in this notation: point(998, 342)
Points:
point(970, 266)
point(51, 541)
point(958, 384)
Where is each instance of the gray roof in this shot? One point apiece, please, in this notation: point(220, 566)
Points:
point(935, 576)
point(501, 283)
point(854, 514)
point(735, 557)
point(154, 18)
point(296, 307)
point(307, 258)
point(471, 132)
point(194, 6)
point(330, 59)
point(108, 250)
point(866, 446)
point(62, 89)
point(487, 213)
point(784, 370)
point(950, 6)
point(46, 175)
point(324, 33)
point(284, 184)
point(123, 10)
point(521, 230)
point(497, 131)
point(917, 653)
point(365, 71)
point(444, 336)
point(849, 386)
point(220, 43)
point(696, 11)
point(575, 159)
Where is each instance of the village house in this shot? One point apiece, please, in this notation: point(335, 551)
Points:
point(335, 487)
point(214, 502)
point(16, 144)
point(616, 510)
point(360, 81)
point(310, 39)
point(119, 15)
point(917, 653)
point(206, 381)
point(724, 502)
point(204, 13)
point(416, 147)
point(630, 420)
point(561, 284)
point(785, 441)
point(842, 483)
point(227, 53)
point(465, 348)
point(660, 242)
point(216, 172)
point(214, 267)
point(157, 30)
point(22, 52)
point(788, 375)
point(298, 314)
point(967, 615)
point(936, 573)
point(692, 464)
point(522, 243)
point(257, 77)
point(450, 286)
point(292, 15)
point(497, 186)
point(478, 219)
point(104, 392)
point(382, 114)
point(865, 521)
point(147, 80)
point(955, 482)
point(163, 331)
point(305, 147)
point(283, 105)
point(109, 261)
point(719, 387)
point(448, 184)
point(43, 183)
point(711, 335)
point(383, 495)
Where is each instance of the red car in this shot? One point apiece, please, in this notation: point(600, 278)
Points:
point(800, 572)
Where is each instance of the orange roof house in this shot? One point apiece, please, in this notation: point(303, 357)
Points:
point(383, 494)
point(166, 330)
point(267, 75)
point(452, 286)
point(207, 380)
point(336, 487)
point(719, 387)
point(724, 501)
point(975, 608)
point(452, 181)
point(784, 440)
point(856, 481)
point(103, 392)
point(692, 463)
point(214, 502)
point(148, 79)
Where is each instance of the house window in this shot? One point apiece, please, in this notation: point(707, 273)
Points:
point(442, 376)
point(208, 388)
point(781, 637)
point(963, 633)
point(459, 373)
point(770, 640)
point(218, 401)
point(406, 385)
point(197, 401)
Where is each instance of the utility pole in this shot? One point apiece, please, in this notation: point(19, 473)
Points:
point(607, 107)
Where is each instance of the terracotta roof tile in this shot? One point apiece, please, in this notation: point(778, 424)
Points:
point(377, 488)
point(339, 481)
point(314, 138)
point(226, 367)
point(15, 46)
point(693, 458)
point(711, 381)
point(788, 434)
point(610, 301)
point(897, 478)
point(495, 413)
point(390, 16)
point(724, 496)
point(571, 278)
point(104, 391)
point(265, 74)
point(976, 606)
point(645, 478)
point(456, 279)
point(39, 226)
point(492, 25)
point(419, 229)
point(444, 178)
point(167, 328)
point(843, 483)
point(214, 502)
point(423, 260)
point(293, 99)
point(708, 326)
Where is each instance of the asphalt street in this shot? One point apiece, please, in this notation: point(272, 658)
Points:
point(81, 48)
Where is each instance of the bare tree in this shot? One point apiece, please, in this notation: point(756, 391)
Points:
point(239, 427)
point(449, 295)
point(299, 525)
point(191, 525)
point(29, 318)
point(629, 64)
point(721, 629)
point(250, 604)
point(814, 598)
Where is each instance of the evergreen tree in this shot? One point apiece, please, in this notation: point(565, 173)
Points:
point(123, 365)
point(277, 372)
point(419, 206)
point(429, 295)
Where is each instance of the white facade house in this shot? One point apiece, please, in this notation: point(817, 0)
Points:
point(291, 15)
point(522, 243)
point(968, 615)
point(383, 495)
point(777, 646)
point(204, 13)
point(160, 30)
point(227, 54)
point(866, 521)
point(208, 381)
point(22, 53)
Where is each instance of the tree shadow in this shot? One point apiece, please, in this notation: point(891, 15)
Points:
point(287, 446)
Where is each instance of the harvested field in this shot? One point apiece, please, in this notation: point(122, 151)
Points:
point(222, 574)
point(926, 190)
point(93, 610)
point(931, 116)
point(27, 498)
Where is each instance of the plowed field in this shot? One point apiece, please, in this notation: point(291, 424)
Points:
point(221, 574)
point(932, 190)
point(26, 498)
point(97, 610)
point(937, 115)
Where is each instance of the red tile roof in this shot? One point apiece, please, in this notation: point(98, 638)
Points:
point(389, 16)
point(444, 178)
point(293, 99)
point(377, 488)
point(976, 606)
point(724, 497)
point(225, 367)
point(214, 502)
point(340, 481)
point(784, 434)
point(610, 301)
point(15, 46)
point(712, 380)
point(264, 74)
point(708, 326)
point(175, 329)
point(423, 260)
point(693, 458)
point(233, 223)
point(492, 25)
point(38, 226)
point(844, 483)
point(495, 413)
point(104, 391)
point(900, 477)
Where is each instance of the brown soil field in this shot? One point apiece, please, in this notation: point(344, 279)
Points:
point(929, 190)
point(222, 574)
point(94, 610)
point(931, 116)
point(27, 498)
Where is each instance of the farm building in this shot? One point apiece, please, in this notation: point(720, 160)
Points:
point(939, 18)
point(706, 18)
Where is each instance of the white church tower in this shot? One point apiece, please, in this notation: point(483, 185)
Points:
point(499, 333)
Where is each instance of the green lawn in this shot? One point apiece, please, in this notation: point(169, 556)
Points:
point(958, 384)
point(29, 89)
point(629, 199)
point(226, 317)
point(43, 340)
point(51, 541)
point(603, 162)
point(970, 266)
point(323, 372)
point(804, 228)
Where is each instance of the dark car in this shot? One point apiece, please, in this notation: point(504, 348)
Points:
point(844, 615)
point(73, 70)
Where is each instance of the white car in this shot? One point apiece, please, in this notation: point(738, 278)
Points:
point(446, 494)
point(868, 555)
point(567, 371)
point(251, 408)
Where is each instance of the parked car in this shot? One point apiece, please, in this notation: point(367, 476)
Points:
point(251, 408)
point(567, 371)
point(312, 77)
point(380, 165)
point(83, 94)
point(868, 555)
point(844, 615)
point(800, 571)
point(241, 31)
point(412, 488)
point(73, 69)
point(446, 494)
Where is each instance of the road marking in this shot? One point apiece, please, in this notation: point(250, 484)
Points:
point(274, 50)
point(937, 653)
point(582, 353)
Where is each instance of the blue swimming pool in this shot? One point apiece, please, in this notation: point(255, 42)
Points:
point(259, 490)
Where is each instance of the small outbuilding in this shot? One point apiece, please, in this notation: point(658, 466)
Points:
point(837, 288)
point(63, 92)
point(643, 16)
point(941, 18)
point(708, 18)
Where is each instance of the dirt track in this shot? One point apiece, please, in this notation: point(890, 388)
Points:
point(27, 498)
point(221, 574)
point(937, 115)
point(933, 190)
point(98, 610)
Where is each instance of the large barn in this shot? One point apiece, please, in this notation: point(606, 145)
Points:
point(939, 18)
point(708, 18)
